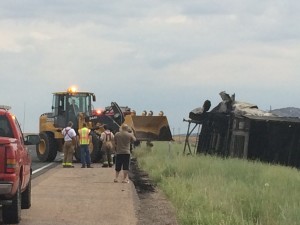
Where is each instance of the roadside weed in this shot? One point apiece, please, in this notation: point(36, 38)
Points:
point(209, 190)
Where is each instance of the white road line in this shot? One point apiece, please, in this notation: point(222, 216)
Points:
point(44, 167)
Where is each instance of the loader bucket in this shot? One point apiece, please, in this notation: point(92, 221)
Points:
point(149, 128)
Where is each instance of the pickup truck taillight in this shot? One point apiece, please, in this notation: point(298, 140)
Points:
point(10, 163)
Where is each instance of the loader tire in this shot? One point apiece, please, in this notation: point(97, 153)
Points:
point(46, 150)
point(96, 154)
point(77, 153)
point(95, 150)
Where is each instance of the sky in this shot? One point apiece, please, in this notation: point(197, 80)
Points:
point(154, 55)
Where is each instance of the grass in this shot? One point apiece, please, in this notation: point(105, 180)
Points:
point(208, 190)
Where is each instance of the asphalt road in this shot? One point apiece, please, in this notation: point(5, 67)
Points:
point(78, 196)
point(81, 196)
point(39, 167)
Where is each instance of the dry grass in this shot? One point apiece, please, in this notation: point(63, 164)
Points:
point(181, 139)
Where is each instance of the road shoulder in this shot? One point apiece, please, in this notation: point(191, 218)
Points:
point(81, 196)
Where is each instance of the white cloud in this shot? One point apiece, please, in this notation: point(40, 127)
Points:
point(164, 55)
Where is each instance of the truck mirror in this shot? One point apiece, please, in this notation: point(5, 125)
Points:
point(32, 139)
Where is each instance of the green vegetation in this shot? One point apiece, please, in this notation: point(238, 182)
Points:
point(209, 190)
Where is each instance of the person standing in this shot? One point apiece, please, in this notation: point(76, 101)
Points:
point(123, 139)
point(98, 129)
point(107, 138)
point(70, 139)
point(84, 141)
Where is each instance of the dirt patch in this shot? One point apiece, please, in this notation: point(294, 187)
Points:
point(154, 206)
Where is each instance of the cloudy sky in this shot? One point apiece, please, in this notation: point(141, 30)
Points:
point(155, 55)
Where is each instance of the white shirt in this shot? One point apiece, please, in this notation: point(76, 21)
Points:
point(68, 133)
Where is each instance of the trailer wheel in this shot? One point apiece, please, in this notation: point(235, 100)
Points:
point(46, 150)
point(12, 213)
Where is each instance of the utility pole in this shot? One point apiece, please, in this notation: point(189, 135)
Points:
point(179, 135)
point(24, 117)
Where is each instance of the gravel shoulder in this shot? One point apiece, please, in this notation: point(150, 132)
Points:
point(154, 206)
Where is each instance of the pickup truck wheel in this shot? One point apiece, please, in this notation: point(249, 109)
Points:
point(26, 196)
point(12, 213)
point(46, 150)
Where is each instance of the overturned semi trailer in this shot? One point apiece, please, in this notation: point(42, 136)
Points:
point(239, 129)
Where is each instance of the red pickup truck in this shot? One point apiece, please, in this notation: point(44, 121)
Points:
point(15, 167)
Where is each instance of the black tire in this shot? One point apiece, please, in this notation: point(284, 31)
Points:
point(47, 149)
point(96, 154)
point(26, 196)
point(12, 213)
point(77, 153)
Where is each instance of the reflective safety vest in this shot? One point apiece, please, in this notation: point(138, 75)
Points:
point(84, 138)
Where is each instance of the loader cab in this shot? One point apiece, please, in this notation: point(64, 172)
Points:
point(67, 106)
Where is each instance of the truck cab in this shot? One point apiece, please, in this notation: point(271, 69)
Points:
point(15, 167)
point(67, 106)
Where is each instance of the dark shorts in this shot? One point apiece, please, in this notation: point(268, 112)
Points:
point(122, 162)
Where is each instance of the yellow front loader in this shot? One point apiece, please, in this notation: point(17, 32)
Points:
point(77, 107)
point(146, 127)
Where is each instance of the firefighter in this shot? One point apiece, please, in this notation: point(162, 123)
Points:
point(98, 129)
point(107, 138)
point(84, 141)
point(70, 141)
